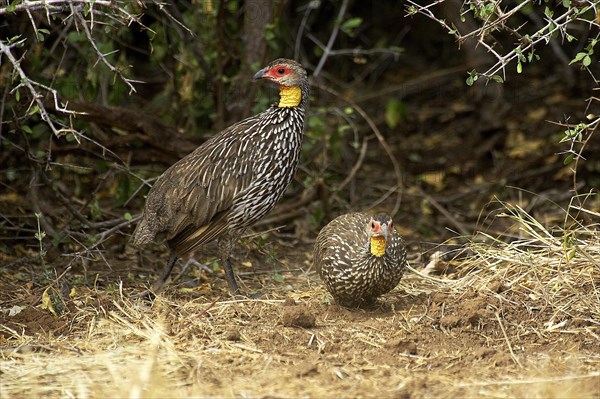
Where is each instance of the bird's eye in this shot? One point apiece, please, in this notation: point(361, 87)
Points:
point(372, 225)
point(281, 71)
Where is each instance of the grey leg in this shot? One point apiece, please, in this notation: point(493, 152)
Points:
point(226, 244)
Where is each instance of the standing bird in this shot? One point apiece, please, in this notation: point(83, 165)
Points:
point(232, 180)
point(359, 258)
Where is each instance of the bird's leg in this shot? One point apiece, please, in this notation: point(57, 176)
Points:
point(230, 276)
point(149, 294)
point(166, 273)
point(225, 245)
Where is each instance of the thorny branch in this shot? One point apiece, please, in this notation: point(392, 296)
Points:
point(76, 8)
point(101, 56)
point(37, 97)
point(498, 19)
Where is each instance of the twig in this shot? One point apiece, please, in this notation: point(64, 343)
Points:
point(381, 140)
point(309, 8)
point(459, 226)
point(334, 33)
point(29, 84)
point(515, 359)
point(356, 167)
point(101, 56)
point(52, 5)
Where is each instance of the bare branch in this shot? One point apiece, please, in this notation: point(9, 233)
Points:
point(37, 97)
point(334, 33)
point(115, 70)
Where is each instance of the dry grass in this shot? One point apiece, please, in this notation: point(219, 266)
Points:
point(538, 335)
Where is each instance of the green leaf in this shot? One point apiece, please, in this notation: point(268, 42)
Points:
point(519, 67)
point(472, 77)
point(18, 95)
point(578, 58)
point(278, 277)
point(75, 37)
point(548, 12)
point(566, 3)
point(394, 112)
point(568, 159)
point(497, 78)
point(587, 60)
point(127, 216)
point(350, 25)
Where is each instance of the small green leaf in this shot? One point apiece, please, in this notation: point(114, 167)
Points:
point(587, 60)
point(566, 3)
point(472, 77)
point(394, 112)
point(578, 58)
point(548, 12)
point(497, 78)
point(568, 159)
point(18, 95)
point(519, 67)
point(278, 277)
point(350, 25)
point(127, 216)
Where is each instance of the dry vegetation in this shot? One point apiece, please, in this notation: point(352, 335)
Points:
point(504, 320)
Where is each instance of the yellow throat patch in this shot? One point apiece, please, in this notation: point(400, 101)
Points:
point(378, 246)
point(289, 96)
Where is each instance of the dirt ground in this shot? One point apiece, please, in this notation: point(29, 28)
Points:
point(488, 328)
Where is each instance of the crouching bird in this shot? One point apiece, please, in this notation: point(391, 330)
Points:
point(359, 258)
point(232, 180)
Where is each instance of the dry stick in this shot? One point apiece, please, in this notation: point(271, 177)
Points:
point(515, 359)
point(301, 30)
point(356, 167)
point(162, 7)
point(459, 226)
point(57, 5)
point(102, 57)
point(37, 97)
point(334, 33)
point(380, 138)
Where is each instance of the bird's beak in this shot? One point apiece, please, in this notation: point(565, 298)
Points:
point(382, 232)
point(259, 75)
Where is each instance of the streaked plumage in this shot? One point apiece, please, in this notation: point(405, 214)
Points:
point(343, 257)
point(233, 179)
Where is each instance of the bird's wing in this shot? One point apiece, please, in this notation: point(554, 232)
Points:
point(192, 199)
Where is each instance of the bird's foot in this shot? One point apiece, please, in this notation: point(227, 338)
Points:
point(146, 295)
